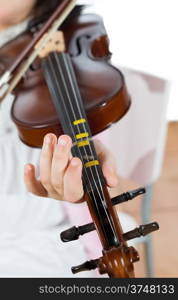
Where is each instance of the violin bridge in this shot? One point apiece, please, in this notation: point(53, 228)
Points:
point(54, 43)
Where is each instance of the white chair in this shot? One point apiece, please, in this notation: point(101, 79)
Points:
point(138, 140)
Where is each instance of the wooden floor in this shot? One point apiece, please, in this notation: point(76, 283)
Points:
point(165, 212)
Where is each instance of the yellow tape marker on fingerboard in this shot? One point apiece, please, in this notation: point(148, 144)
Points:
point(91, 163)
point(80, 121)
point(82, 135)
point(83, 143)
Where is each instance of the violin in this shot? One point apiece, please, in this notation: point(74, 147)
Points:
point(101, 85)
point(73, 88)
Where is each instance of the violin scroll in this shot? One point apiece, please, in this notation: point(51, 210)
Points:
point(116, 262)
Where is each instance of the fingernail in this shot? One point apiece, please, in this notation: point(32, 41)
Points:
point(62, 141)
point(48, 139)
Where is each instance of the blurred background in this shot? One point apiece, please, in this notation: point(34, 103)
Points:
point(143, 41)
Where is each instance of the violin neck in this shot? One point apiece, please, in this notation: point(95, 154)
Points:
point(67, 100)
point(61, 80)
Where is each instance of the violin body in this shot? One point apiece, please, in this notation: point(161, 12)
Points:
point(102, 86)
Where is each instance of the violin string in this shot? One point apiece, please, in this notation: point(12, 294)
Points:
point(74, 135)
point(71, 127)
point(54, 75)
point(80, 113)
point(79, 150)
point(75, 92)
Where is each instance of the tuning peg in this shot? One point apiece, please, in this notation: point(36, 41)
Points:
point(141, 231)
point(93, 264)
point(74, 232)
point(128, 196)
point(87, 266)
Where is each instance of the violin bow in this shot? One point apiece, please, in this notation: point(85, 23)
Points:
point(51, 26)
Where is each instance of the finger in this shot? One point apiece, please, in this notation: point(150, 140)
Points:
point(73, 188)
point(33, 185)
point(103, 153)
point(106, 159)
point(110, 175)
point(49, 143)
point(60, 162)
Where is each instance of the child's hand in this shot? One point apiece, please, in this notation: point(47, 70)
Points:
point(60, 173)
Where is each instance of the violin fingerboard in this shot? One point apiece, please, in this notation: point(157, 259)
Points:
point(66, 96)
